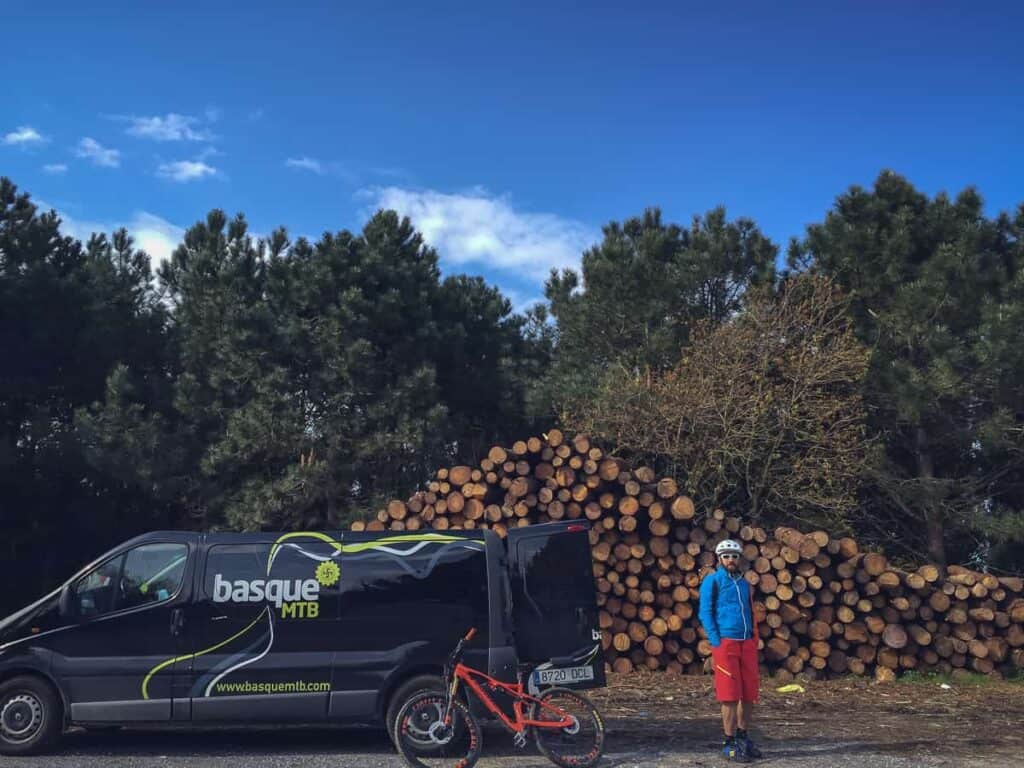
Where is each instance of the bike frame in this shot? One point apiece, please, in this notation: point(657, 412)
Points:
point(473, 678)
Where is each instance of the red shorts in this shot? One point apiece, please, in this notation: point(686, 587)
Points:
point(735, 670)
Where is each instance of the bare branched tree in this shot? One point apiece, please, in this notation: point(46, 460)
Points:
point(764, 415)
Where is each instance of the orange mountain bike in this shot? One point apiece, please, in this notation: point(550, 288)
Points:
point(435, 729)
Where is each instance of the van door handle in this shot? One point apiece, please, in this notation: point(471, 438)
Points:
point(177, 621)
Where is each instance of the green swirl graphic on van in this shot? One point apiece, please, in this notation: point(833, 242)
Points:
point(197, 654)
point(298, 598)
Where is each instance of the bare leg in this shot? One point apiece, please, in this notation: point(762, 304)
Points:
point(729, 717)
point(744, 713)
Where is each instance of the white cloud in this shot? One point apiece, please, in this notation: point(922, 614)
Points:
point(55, 168)
point(153, 234)
point(169, 127)
point(521, 301)
point(478, 228)
point(23, 135)
point(305, 164)
point(100, 155)
point(185, 170)
point(156, 236)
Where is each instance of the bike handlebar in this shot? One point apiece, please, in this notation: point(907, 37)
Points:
point(457, 651)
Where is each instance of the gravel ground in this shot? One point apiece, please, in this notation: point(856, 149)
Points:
point(653, 722)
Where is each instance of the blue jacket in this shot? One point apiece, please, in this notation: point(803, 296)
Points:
point(726, 609)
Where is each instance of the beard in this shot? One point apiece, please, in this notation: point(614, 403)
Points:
point(732, 566)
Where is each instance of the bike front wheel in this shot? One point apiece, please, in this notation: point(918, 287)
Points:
point(576, 746)
point(425, 740)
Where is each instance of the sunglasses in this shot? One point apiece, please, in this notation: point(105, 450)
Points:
point(730, 557)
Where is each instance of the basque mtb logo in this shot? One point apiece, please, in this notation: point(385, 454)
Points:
point(294, 598)
point(328, 573)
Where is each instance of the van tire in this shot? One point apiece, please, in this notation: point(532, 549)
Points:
point(404, 692)
point(23, 701)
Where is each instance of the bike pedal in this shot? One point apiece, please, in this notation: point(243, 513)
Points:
point(519, 740)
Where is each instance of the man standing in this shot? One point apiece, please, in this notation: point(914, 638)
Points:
point(727, 614)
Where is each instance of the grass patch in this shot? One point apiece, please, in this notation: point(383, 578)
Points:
point(961, 678)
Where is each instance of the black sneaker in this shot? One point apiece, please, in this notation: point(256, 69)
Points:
point(751, 749)
point(734, 750)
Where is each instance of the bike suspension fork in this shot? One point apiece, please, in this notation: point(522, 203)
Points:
point(449, 705)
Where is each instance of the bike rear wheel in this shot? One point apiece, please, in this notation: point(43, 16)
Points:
point(577, 746)
point(425, 741)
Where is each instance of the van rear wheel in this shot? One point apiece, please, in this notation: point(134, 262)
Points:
point(30, 716)
point(404, 692)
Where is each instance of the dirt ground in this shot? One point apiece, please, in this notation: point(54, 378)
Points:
point(653, 721)
point(838, 722)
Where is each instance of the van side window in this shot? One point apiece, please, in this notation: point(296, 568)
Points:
point(297, 580)
point(381, 597)
point(94, 592)
point(152, 573)
point(227, 562)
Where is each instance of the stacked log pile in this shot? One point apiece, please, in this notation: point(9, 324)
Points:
point(824, 606)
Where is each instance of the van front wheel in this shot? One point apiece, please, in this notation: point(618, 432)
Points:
point(30, 716)
point(404, 692)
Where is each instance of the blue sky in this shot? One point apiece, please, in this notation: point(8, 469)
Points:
point(510, 133)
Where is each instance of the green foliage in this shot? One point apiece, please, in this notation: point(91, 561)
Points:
point(315, 379)
point(68, 315)
point(254, 384)
point(936, 293)
point(640, 292)
point(962, 678)
point(273, 384)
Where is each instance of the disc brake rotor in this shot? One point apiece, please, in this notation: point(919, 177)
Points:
point(573, 729)
point(425, 725)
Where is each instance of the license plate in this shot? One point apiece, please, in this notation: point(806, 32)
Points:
point(563, 675)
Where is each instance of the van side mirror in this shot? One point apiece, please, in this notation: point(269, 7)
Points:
point(68, 608)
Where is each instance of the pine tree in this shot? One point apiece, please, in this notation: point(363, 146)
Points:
point(640, 291)
point(935, 288)
point(313, 380)
point(69, 315)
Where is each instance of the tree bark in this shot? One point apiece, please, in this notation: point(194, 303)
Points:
point(934, 524)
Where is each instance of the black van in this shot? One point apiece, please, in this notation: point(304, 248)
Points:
point(299, 627)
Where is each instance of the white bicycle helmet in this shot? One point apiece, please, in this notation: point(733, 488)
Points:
point(728, 546)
